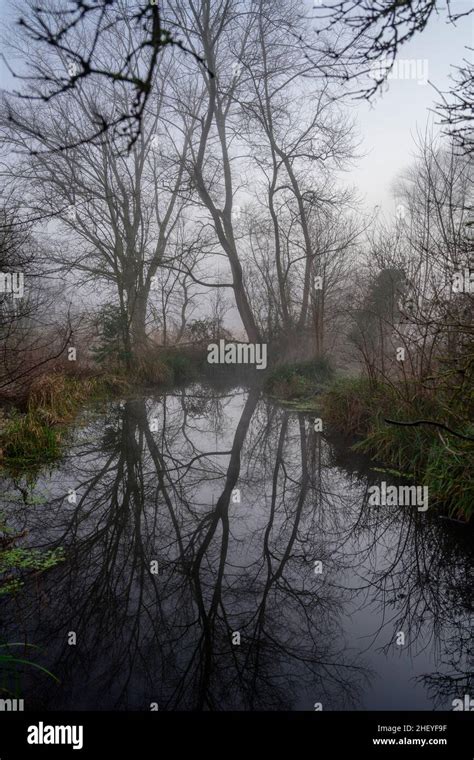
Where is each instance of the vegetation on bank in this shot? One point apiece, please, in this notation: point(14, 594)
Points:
point(297, 384)
point(32, 431)
point(14, 655)
point(32, 434)
point(358, 408)
point(18, 562)
point(168, 366)
point(429, 454)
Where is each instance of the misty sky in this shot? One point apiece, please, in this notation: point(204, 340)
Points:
point(386, 129)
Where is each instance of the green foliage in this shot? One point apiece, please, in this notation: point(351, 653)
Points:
point(30, 500)
point(449, 474)
point(29, 438)
point(112, 385)
point(385, 293)
point(34, 437)
point(165, 366)
point(445, 464)
point(400, 447)
point(29, 559)
point(55, 398)
point(16, 562)
point(386, 290)
point(349, 404)
point(207, 330)
point(152, 370)
point(112, 325)
point(7, 660)
point(179, 364)
point(298, 381)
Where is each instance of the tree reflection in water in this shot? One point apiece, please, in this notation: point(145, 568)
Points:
point(156, 481)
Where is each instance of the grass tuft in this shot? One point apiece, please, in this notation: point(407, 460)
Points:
point(442, 462)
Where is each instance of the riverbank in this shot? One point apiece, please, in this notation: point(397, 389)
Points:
point(33, 432)
point(166, 499)
point(298, 386)
point(35, 421)
point(435, 453)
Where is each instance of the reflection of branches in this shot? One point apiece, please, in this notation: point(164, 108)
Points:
point(224, 566)
point(444, 688)
point(420, 588)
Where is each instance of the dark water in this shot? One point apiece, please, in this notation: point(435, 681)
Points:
point(156, 481)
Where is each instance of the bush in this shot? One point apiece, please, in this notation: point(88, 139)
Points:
point(165, 366)
point(27, 437)
point(296, 381)
point(112, 326)
point(53, 400)
point(180, 364)
point(449, 476)
point(152, 370)
point(350, 405)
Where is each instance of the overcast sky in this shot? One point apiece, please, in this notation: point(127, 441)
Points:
point(387, 128)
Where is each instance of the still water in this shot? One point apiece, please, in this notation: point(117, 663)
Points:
point(211, 516)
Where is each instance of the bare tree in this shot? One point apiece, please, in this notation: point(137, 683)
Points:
point(119, 210)
point(35, 327)
point(218, 31)
point(77, 36)
point(300, 140)
point(412, 302)
point(456, 107)
point(357, 34)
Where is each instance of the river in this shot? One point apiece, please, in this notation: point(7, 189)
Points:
point(221, 555)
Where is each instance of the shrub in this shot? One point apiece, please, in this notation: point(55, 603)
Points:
point(28, 437)
point(34, 436)
point(290, 381)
